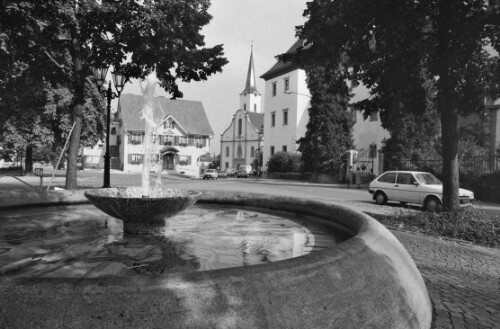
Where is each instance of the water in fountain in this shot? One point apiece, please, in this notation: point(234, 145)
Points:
point(75, 241)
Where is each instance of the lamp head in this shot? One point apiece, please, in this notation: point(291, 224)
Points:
point(100, 75)
point(119, 79)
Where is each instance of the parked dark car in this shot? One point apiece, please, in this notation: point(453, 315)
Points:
point(222, 174)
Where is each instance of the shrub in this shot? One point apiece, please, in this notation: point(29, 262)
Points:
point(464, 223)
point(284, 162)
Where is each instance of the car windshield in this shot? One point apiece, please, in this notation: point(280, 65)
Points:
point(428, 179)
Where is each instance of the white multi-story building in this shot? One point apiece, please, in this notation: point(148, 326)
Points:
point(182, 137)
point(286, 106)
point(286, 114)
point(241, 142)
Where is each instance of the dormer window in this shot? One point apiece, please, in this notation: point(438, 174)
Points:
point(169, 124)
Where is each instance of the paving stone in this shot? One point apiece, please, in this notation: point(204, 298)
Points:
point(463, 280)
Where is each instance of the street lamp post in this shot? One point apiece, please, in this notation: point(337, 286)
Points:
point(119, 80)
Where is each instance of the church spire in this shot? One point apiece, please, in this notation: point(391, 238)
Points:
point(250, 85)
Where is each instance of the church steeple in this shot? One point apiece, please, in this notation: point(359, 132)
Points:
point(250, 98)
point(250, 85)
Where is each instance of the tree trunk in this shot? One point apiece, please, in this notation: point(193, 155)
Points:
point(78, 105)
point(28, 161)
point(449, 124)
point(447, 107)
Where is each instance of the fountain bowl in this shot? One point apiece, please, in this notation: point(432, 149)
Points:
point(141, 213)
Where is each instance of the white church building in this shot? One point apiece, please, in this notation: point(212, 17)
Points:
point(241, 142)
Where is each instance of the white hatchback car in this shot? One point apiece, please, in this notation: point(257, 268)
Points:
point(412, 187)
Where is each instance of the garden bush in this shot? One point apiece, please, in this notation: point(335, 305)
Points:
point(464, 223)
point(284, 162)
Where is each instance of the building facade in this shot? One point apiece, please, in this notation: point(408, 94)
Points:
point(286, 106)
point(286, 103)
point(241, 141)
point(182, 136)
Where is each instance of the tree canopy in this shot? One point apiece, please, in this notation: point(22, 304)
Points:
point(135, 37)
point(410, 52)
point(329, 129)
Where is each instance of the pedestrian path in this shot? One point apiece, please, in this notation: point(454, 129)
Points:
point(463, 280)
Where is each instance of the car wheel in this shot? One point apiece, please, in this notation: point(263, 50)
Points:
point(433, 204)
point(380, 198)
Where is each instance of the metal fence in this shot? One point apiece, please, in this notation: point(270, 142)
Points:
point(474, 166)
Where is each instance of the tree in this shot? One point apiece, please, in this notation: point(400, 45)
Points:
point(329, 129)
point(132, 36)
point(396, 48)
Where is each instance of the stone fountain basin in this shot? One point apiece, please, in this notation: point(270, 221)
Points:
point(128, 204)
point(367, 281)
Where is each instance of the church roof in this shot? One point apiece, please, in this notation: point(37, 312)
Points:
point(189, 114)
point(283, 67)
point(250, 83)
point(256, 119)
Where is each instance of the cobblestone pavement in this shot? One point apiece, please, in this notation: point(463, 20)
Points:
point(463, 280)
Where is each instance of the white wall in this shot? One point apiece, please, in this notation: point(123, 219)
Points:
point(297, 103)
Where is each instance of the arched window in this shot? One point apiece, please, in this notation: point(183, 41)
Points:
point(227, 151)
point(244, 106)
point(252, 152)
point(239, 153)
point(240, 126)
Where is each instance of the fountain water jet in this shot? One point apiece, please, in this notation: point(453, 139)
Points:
point(144, 210)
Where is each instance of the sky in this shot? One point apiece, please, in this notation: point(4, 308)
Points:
point(268, 24)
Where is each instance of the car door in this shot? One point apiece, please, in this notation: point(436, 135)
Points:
point(407, 188)
point(386, 183)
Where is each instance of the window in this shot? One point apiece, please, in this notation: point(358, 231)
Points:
point(388, 178)
point(285, 117)
point(227, 165)
point(284, 148)
point(183, 141)
point(113, 131)
point(155, 138)
point(252, 152)
point(374, 116)
point(227, 151)
point(184, 160)
point(198, 142)
point(239, 152)
point(136, 138)
point(244, 106)
point(287, 85)
point(255, 107)
point(405, 178)
point(274, 88)
point(135, 158)
point(273, 119)
point(240, 127)
point(272, 150)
